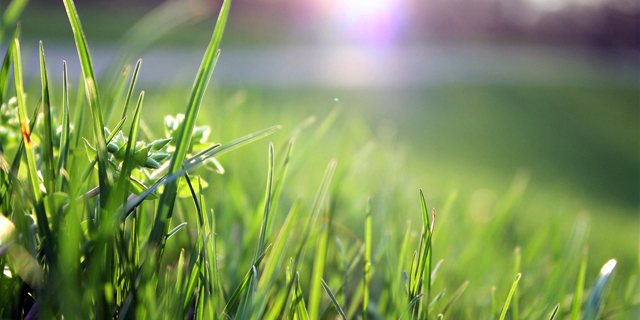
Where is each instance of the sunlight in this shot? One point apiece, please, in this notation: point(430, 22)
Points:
point(369, 20)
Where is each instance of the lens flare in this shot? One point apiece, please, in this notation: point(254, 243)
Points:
point(366, 20)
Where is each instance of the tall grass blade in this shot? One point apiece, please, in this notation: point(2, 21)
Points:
point(132, 85)
point(64, 136)
point(455, 297)
point(232, 303)
point(94, 98)
point(267, 207)
point(411, 304)
point(577, 295)
point(47, 145)
point(283, 173)
point(503, 314)
point(554, 312)
point(42, 220)
point(128, 163)
point(366, 273)
point(315, 209)
point(598, 296)
point(269, 273)
point(333, 299)
point(299, 306)
point(163, 213)
point(317, 272)
point(515, 308)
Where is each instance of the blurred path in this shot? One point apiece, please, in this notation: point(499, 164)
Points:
point(411, 66)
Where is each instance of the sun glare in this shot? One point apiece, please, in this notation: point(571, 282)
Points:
point(368, 20)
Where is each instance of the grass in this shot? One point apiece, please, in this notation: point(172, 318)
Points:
point(138, 222)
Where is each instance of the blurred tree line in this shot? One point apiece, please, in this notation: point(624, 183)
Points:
point(612, 24)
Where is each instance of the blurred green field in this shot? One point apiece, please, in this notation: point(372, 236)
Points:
point(577, 147)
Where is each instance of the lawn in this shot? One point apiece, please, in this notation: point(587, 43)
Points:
point(314, 203)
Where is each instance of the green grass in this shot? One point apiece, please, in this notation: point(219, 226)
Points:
point(157, 217)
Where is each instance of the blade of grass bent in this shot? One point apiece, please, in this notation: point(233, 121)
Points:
point(94, 98)
point(195, 161)
point(184, 136)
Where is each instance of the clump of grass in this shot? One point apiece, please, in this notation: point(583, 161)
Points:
point(96, 237)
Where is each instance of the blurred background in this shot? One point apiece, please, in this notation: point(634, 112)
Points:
point(480, 91)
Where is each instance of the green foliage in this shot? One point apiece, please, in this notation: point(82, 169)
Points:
point(78, 245)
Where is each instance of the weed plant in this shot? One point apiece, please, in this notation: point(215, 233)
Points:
point(123, 223)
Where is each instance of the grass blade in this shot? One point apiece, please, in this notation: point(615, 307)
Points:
point(411, 304)
point(509, 296)
point(195, 161)
point(281, 178)
point(11, 15)
point(47, 145)
point(94, 98)
point(163, 213)
point(455, 297)
point(127, 163)
point(598, 296)
point(515, 312)
point(333, 299)
point(22, 112)
point(42, 220)
point(554, 312)
point(316, 207)
point(6, 65)
point(267, 206)
point(174, 230)
point(577, 295)
point(132, 85)
point(64, 136)
point(366, 274)
point(275, 259)
point(319, 262)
